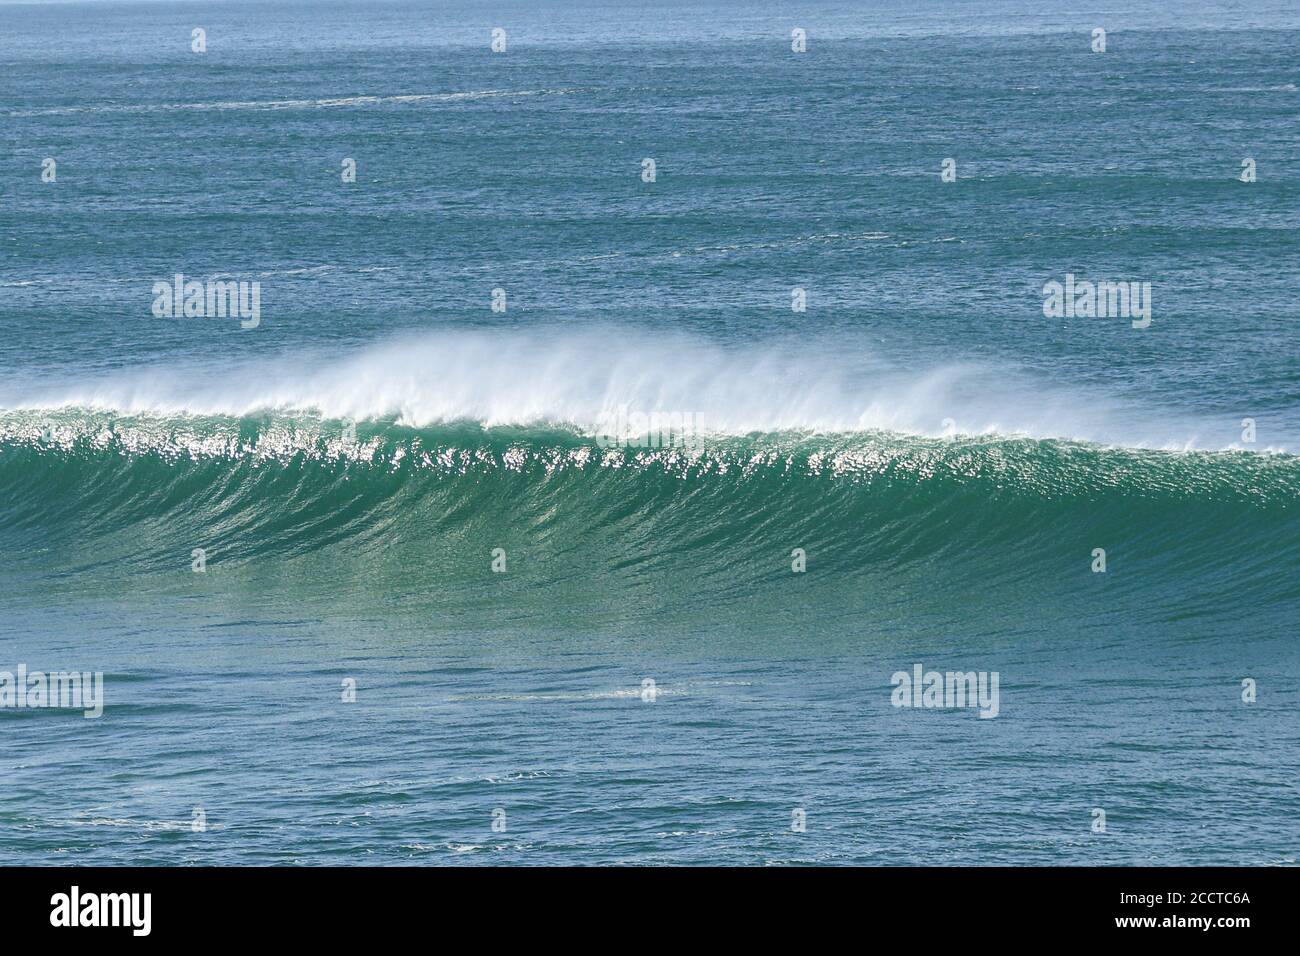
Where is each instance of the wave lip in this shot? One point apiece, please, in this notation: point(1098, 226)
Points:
point(33, 442)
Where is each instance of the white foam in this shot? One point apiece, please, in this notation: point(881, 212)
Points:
point(583, 379)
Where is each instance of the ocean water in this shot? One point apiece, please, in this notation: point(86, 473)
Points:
point(388, 487)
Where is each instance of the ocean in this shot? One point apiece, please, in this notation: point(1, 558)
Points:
point(564, 432)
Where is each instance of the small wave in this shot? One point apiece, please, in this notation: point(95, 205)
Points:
point(623, 693)
point(1281, 88)
point(292, 104)
point(147, 825)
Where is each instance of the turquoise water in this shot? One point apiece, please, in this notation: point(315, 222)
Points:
point(390, 483)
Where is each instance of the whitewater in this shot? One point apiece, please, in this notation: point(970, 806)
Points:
point(580, 379)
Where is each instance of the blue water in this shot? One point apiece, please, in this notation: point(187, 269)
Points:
point(942, 456)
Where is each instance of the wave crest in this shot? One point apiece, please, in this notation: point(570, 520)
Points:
point(585, 379)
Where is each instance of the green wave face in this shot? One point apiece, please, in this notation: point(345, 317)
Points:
point(399, 523)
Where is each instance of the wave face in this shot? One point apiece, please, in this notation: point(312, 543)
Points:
point(604, 534)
